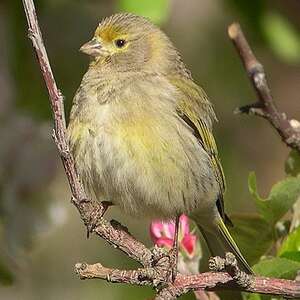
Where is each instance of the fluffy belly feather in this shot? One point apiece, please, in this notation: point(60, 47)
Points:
point(144, 168)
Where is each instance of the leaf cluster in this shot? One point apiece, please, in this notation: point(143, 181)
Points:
point(270, 238)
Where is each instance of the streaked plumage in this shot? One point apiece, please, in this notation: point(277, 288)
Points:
point(141, 130)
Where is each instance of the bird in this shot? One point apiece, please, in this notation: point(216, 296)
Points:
point(140, 131)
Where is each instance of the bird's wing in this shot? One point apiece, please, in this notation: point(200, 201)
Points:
point(195, 109)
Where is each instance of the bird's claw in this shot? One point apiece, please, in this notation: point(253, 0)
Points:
point(173, 259)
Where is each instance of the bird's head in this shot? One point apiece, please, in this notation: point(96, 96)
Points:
point(128, 42)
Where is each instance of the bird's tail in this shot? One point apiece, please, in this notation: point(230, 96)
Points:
point(219, 241)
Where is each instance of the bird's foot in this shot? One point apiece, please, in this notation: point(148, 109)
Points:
point(166, 261)
point(173, 259)
point(173, 254)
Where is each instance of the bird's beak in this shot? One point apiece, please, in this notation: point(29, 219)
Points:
point(92, 48)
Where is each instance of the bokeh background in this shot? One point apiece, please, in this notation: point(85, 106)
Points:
point(41, 235)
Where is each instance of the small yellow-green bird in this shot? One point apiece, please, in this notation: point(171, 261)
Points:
point(141, 131)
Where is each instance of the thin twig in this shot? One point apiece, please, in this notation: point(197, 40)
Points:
point(265, 107)
point(154, 262)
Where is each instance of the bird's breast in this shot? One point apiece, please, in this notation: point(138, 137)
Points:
point(136, 152)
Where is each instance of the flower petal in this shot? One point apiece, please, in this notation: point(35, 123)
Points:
point(169, 229)
point(156, 230)
point(189, 243)
point(184, 225)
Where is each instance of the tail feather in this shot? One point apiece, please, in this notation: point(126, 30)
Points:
point(219, 241)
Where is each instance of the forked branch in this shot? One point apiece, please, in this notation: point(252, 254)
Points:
point(289, 130)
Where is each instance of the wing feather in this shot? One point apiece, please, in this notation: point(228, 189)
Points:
point(197, 112)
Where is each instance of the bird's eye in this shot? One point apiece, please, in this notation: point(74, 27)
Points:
point(120, 43)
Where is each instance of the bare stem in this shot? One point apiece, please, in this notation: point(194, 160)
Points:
point(265, 107)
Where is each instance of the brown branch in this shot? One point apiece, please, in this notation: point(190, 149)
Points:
point(265, 107)
point(210, 281)
point(141, 276)
point(156, 263)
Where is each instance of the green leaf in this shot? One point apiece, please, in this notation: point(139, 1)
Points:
point(6, 276)
point(247, 229)
point(277, 267)
point(280, 200)
point(291, 255)
point(292, 164)
point(282, 37)
point(291, 243)
point(156, 10)
point(252, 185)
point(253, 297)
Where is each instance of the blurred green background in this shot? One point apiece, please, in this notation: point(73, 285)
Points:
point(41, 235)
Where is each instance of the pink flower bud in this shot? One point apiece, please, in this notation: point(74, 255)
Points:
point(162, 234)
